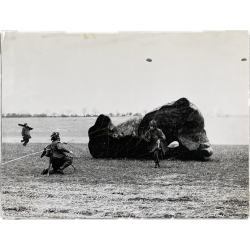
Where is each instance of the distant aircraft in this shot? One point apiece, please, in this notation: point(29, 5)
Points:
point(149, 60)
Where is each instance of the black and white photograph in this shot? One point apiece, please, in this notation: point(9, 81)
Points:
point(150, 125)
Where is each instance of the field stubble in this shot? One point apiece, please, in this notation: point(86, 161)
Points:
point(105, 188)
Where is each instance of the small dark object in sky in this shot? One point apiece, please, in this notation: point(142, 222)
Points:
point(243, 59)
point(149, 60)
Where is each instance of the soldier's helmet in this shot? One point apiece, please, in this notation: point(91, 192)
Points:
point(55, 136)
point(152, 123)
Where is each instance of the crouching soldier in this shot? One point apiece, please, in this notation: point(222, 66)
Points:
point(156, 139)
point(56, 152)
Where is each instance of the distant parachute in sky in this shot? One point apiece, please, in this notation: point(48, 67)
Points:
point(243, 59)
point(149, 60)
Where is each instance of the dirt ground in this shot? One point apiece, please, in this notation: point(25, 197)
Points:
point(103, 188)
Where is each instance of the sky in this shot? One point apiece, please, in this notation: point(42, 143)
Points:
point(66, 72)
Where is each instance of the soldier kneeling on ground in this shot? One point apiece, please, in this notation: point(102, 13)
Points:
point(56, 152)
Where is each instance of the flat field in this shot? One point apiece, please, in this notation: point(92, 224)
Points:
point(125, 188)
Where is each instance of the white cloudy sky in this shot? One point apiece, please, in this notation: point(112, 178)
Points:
point(56, 72)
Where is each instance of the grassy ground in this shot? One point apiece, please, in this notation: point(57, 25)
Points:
point(101, 188)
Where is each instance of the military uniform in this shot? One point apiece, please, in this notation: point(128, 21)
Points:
point(156, 139)
point(58, 159)
point(56, 151)
point(26, 134)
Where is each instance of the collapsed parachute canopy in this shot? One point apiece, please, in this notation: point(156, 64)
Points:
point(180, 121)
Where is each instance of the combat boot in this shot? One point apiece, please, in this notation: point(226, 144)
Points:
point(45, 171)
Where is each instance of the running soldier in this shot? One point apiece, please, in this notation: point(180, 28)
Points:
point(25, 133)
point(156, 139)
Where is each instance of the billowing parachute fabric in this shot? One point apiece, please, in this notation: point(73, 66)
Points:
point(129, 127)
point(180, 121)
point(183, 122)
point(108, 141)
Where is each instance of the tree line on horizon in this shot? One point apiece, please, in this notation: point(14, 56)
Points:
point(95, 114)
point(21, 115)
point(72, 113)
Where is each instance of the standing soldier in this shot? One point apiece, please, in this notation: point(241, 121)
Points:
point(156, 139)
point(56, 151)
point(25, 133)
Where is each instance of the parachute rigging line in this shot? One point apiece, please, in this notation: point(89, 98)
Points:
point(21, 157)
